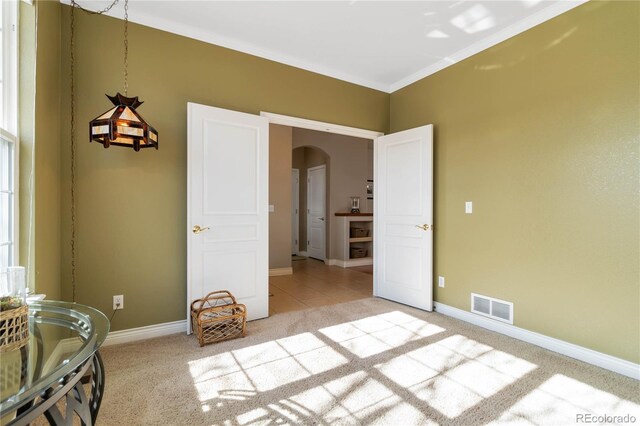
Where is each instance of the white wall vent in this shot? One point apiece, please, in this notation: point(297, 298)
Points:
point(493, 308)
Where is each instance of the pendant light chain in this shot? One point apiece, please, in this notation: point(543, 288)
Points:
point(72, 138)
point(126, 46)
point(73, 156)
point(94, 12)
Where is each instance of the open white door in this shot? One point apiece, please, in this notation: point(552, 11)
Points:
point(227, 213)
point(403, 213)
point(316, 212)
point(295, 211)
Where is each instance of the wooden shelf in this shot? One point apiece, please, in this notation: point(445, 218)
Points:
point(360, 240)
point(347, 242)
point(361, 258)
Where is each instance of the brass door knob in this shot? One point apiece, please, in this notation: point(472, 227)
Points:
point(425, 227)
point(197, 229)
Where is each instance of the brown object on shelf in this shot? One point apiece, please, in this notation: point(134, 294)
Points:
point(357, 252)
point(217, 317)
point(14, 328)
point(352, 214)
point(358, 232)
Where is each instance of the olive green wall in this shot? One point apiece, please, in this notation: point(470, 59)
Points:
point(47, 185)
point(541, 132)
point(280, 138)
point(40, 137)
point(131, 207)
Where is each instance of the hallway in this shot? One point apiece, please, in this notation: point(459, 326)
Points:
point(315, 284)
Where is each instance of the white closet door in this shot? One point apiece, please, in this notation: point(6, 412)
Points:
point(403, 208)
point(316, 212)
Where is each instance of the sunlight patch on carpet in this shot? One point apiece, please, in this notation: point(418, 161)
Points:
point(253, 417)
point(379, 333)
point(356, 398)
point(263, 367)
point(456, 373)
point(560, 399)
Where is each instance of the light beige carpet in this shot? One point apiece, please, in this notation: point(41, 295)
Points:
point(364, 362)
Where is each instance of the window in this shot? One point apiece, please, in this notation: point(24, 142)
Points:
point(8, 132)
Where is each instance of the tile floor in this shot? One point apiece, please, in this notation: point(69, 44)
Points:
point(315, 284)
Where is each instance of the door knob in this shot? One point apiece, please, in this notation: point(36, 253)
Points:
point(424, 227)
point(197, 229)
point(321, 218)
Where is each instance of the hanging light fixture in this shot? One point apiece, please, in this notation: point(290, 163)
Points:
point(122, 125)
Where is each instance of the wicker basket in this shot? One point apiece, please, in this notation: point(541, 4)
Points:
point(217, 317)
point(359, 232)
point(357, 252)
point(14, 328)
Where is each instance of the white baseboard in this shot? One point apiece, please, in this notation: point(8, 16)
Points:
point(142, 333)
point(365, 261)
point(280, 271)
point(621, 366)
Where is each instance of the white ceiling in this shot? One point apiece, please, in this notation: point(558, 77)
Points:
point(384, 45)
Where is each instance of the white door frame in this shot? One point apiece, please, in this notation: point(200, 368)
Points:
point(295, 211)
point(303, 123)
point(324, 219)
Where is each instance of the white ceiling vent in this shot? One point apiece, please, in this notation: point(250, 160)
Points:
point(493, 308)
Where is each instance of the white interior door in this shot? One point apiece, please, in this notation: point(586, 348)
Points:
point(316, 212)
point(295, 211)
point(227, 191)
point(403, 207)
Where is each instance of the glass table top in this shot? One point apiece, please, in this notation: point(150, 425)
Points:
point(62, 336)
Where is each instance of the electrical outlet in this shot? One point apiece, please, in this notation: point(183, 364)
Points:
point(440, 281)
point(118, 302)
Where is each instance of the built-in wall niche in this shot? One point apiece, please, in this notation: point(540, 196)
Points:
point(356, 238)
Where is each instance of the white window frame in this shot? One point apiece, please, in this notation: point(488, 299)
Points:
point(9, 123)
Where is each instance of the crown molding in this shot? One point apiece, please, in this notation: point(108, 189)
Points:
point(543, 15)
point(240, 46)
point(211, 37)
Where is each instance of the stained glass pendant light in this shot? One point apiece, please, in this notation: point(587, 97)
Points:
point(122, 125)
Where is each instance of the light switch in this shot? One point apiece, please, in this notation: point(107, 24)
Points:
point(271, 208)
point(440, 281)
point(468, 207)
